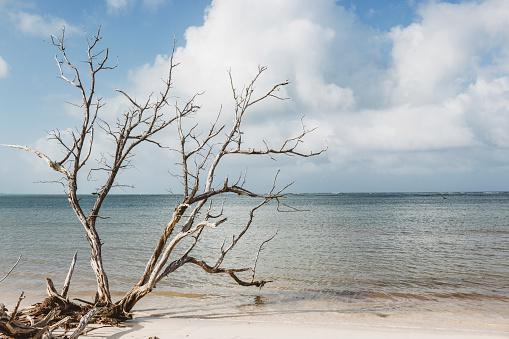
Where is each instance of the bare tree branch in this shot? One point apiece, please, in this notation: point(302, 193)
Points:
point(200, 154)
point(258, 254)
point(12, 268)
point(57, 167)
point(229, 271)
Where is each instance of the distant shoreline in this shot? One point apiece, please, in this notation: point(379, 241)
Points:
point(289, 193)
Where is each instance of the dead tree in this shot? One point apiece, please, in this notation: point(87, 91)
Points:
point(200, 155)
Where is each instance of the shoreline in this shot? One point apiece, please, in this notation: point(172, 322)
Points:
point(198, 327)
point(197, 316)
point(387, 260)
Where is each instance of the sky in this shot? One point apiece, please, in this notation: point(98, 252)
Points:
point(409, 96)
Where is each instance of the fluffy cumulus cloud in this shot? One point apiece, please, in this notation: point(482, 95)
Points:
point(37, 25)
point(401, 99)
point(296, 40)
point(119, 5)
point(450, 71)
point(451, 47)
point(291, 38)
point(4, 68)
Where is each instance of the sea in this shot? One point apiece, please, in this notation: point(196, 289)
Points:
point(346, 257)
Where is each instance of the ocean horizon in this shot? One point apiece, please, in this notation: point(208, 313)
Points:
point(440, 255)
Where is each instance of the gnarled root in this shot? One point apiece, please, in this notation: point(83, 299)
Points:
point(42, 319)
point(56, 312)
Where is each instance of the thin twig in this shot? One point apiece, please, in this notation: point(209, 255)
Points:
point(12, 268)
point(258, 254)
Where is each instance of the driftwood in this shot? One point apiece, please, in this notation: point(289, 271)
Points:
point(67, 282)
point(55, 312)
point(84, 321)
point(42, 320)
point(22, 325)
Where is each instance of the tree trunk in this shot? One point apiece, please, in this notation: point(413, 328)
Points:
point(130, 299)
point(103, 297)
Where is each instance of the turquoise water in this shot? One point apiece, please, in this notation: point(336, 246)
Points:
point(433, 255)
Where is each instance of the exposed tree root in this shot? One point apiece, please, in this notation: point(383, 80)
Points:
point(42, 319)
point(56, 312)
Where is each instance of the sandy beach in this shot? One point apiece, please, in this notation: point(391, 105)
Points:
point(199, 324)
point(146, 327)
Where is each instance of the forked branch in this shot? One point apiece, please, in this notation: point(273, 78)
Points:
point(200, 155)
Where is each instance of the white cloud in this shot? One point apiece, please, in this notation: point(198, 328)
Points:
point(486, 108)
point(115, 5)
point(441, 90)
point(436, 58)
point(4, 68)
point(290, 37)
point(42, 26)
point(120, 5)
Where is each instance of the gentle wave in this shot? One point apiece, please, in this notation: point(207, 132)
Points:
point(395, 253)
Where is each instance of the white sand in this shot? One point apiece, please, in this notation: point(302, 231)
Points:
point(146, 327)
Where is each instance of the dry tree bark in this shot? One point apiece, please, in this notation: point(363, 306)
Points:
point(200, 154)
